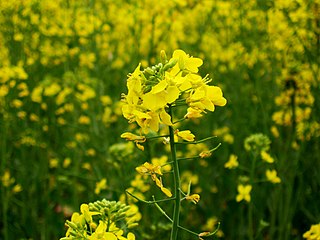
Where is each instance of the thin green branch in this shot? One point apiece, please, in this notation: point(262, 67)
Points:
point(179, 120)
point(150, 202)
point(155, 137)
point(196, 142)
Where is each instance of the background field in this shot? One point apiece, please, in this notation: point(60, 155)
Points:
point(63, 67)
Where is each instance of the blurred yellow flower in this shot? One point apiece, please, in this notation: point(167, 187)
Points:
point(66, 162)
point(53, 163)
point(195, 198)
point(313, 233)
point(244, 193)
point(16, 103)
point(272, 176)
point(232, 162)
point(17, 188)
point(266, 157)
point(84, 120)
point(185, 135)
point(101, 185)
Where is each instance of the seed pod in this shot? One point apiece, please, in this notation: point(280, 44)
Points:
point(170, 64)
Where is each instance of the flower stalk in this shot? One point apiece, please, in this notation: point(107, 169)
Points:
point(176, 180)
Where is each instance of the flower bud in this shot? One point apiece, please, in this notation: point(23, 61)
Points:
point(163, 57)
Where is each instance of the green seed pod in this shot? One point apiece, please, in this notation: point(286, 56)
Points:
point(124, 208)
point(170, 64)
point(72, 225)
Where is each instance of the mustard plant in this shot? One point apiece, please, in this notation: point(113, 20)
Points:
point(154, 96)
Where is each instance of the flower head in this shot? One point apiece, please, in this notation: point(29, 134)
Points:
point(244, 193)
point(232, 162)
point(313, 233)
point(272, 176)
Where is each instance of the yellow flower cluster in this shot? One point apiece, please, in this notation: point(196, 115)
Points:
point(151, 91)
point(153, 171)
point(101, 220)
point(313, 233)
point(8, 181)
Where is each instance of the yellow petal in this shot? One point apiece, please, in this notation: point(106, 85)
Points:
point(131, 236)
point(198, 95)
point(186, 135)
point(166, 192)
point(141, 115)
point(165, 118)
point(215, 95)
point(208, 104)
point(154, 102)
point(110, 236)
point(172, 94)
point(192, 64)
point(161, 86)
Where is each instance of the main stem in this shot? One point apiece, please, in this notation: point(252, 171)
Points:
point(176, 179)
point(250, 210)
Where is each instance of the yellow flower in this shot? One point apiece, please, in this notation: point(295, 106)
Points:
point(244, 193)
point(22, 114)
point(84, 208)
point(52, 89)
point(313, 233)
point(66, 162)
point(4, 90)
point(193, 113)
point(205, 154)
point(232, 162)
point(162, 161)
point(34, 117)
point(185, 135)
point(53, 163)
point(272, 176)
point(133, 137)
point(195, 198)
point(153, 170)
point(136, 138)
point(185, 62)
point(160, 95)
point(91, 152)
point(101, 185)
point(84, 119)
point(17, 188)
point(266, 157)
point(149, 169)
point(275, 131)
point(6, 179)
point(206, 97)
point(16, 103)
point(101, 234)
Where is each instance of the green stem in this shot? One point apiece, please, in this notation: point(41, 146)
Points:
point(200, 141)
point(176, 179)
point(250, 209)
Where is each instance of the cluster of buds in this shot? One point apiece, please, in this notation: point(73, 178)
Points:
point(101, 220)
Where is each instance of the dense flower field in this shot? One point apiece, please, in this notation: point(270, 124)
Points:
point(172, 119)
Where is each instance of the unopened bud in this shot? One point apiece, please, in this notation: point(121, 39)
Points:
point(163, 57)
